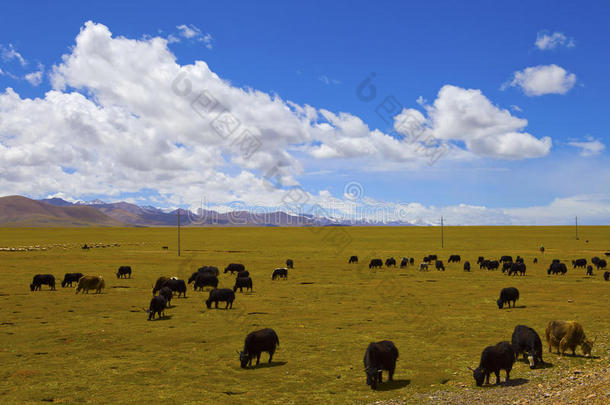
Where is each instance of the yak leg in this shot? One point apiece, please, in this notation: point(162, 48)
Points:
point(497, 377)
point(258, 358)
point(391, 373)
point(271, 354)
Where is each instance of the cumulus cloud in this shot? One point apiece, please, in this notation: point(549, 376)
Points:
point(327, 80)
point(9, 53)
point(467, 115)
point(193, 33)
point(123, 115)
point(546, 40)
point(544, 79)
point(589, 147)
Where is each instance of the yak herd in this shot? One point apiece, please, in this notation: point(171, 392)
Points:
point(381, 355)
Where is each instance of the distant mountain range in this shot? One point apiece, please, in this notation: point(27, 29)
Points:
point(18, 211)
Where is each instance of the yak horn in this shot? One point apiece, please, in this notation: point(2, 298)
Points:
point(471, 369)
point(237, 351)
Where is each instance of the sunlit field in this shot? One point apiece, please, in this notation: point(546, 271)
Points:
point(62, 347)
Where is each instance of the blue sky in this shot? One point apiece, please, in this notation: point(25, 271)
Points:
point(484, 55)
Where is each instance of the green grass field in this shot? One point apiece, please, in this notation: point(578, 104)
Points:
point(58, 346)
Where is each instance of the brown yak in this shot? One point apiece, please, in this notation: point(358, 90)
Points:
point(567, 335)
point(87, 283)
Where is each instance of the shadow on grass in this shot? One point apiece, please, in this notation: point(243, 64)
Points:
point(165, 318)
point(581, 356)
point(268, 365)
point(514, 382)
point(393, 385)
point(539, 366)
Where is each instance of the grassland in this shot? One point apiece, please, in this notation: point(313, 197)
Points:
point(58, 346)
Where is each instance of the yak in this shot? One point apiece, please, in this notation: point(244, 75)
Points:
point(404, 262)
point(353, 259)
point(87, 283)
point(264, 340)
point(124, 271)
point(213, 270)
point(375, 263)
point(235, 267)
point(506, 296)
point(439, 265)
point(494, 359)
point(40, 279)
point(466, 265)
point(70, 278)
point(176, 285)
point(567, 335)
point(607, 275)
point(158, 304)
point(242, 283)
point(454, 259)
point(168, 294)
point(205, 280)
point(289, 264)
point(579, 263)
point(423, 266)
point(390, 261)
point(159, 283)
point(244, 273)
point(221, 294)
point(525, 340)
point(280, 273)
point(379, 356)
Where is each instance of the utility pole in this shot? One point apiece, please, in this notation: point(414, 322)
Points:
point(577, 228)
point(442, 234)
point(178, 231)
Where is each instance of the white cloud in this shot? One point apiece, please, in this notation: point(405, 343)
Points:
point(467, 115)
point(140, 120)
point(327, 80)
point(546, 40)
point(543, 79)
point(516, 108)
point(194, 33)
point(35, 78)
point(1, 72)
point(9, 53)
point(590, 147)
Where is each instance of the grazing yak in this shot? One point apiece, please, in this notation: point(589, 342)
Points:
point(517, 267)
point(432, 258)
point(289, 264)
point(86, 283)
point(375, 263)
point(557, 267)
point(490, 264)
point(390, 262)
point(601, 264)
point(379, 356)
point(525, 340)
point(466, 265)
point(353, 259)
point(221, 294)
point(213, 270)
point(159, 283)
point(589, 270)
point(235, 267)
point(505, 259)
point(507, 295)
point(519, 259)
point(241, 283)
point(176, 285)
point(411, 261)
point(439, 265)
point(494, 359)
point(205, 280)
point(40, 279)
point(70, 278)
point(595, 260)
point(404, 262)
point(157, 306)
point(454, 259)
point(124, 271)
point(579, 263)
point(423, 266)
point(567, 335)
point(480, 260)
point(535, 260)
point(280, 273)
point(167, 293)
point(607, 275)
point(242, 274)
point(264, 340)
point(506, 266)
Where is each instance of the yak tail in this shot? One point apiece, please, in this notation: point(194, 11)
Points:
point(277, 340)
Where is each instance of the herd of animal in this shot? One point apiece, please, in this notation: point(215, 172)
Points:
point(379, 356)
point(509, 266)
